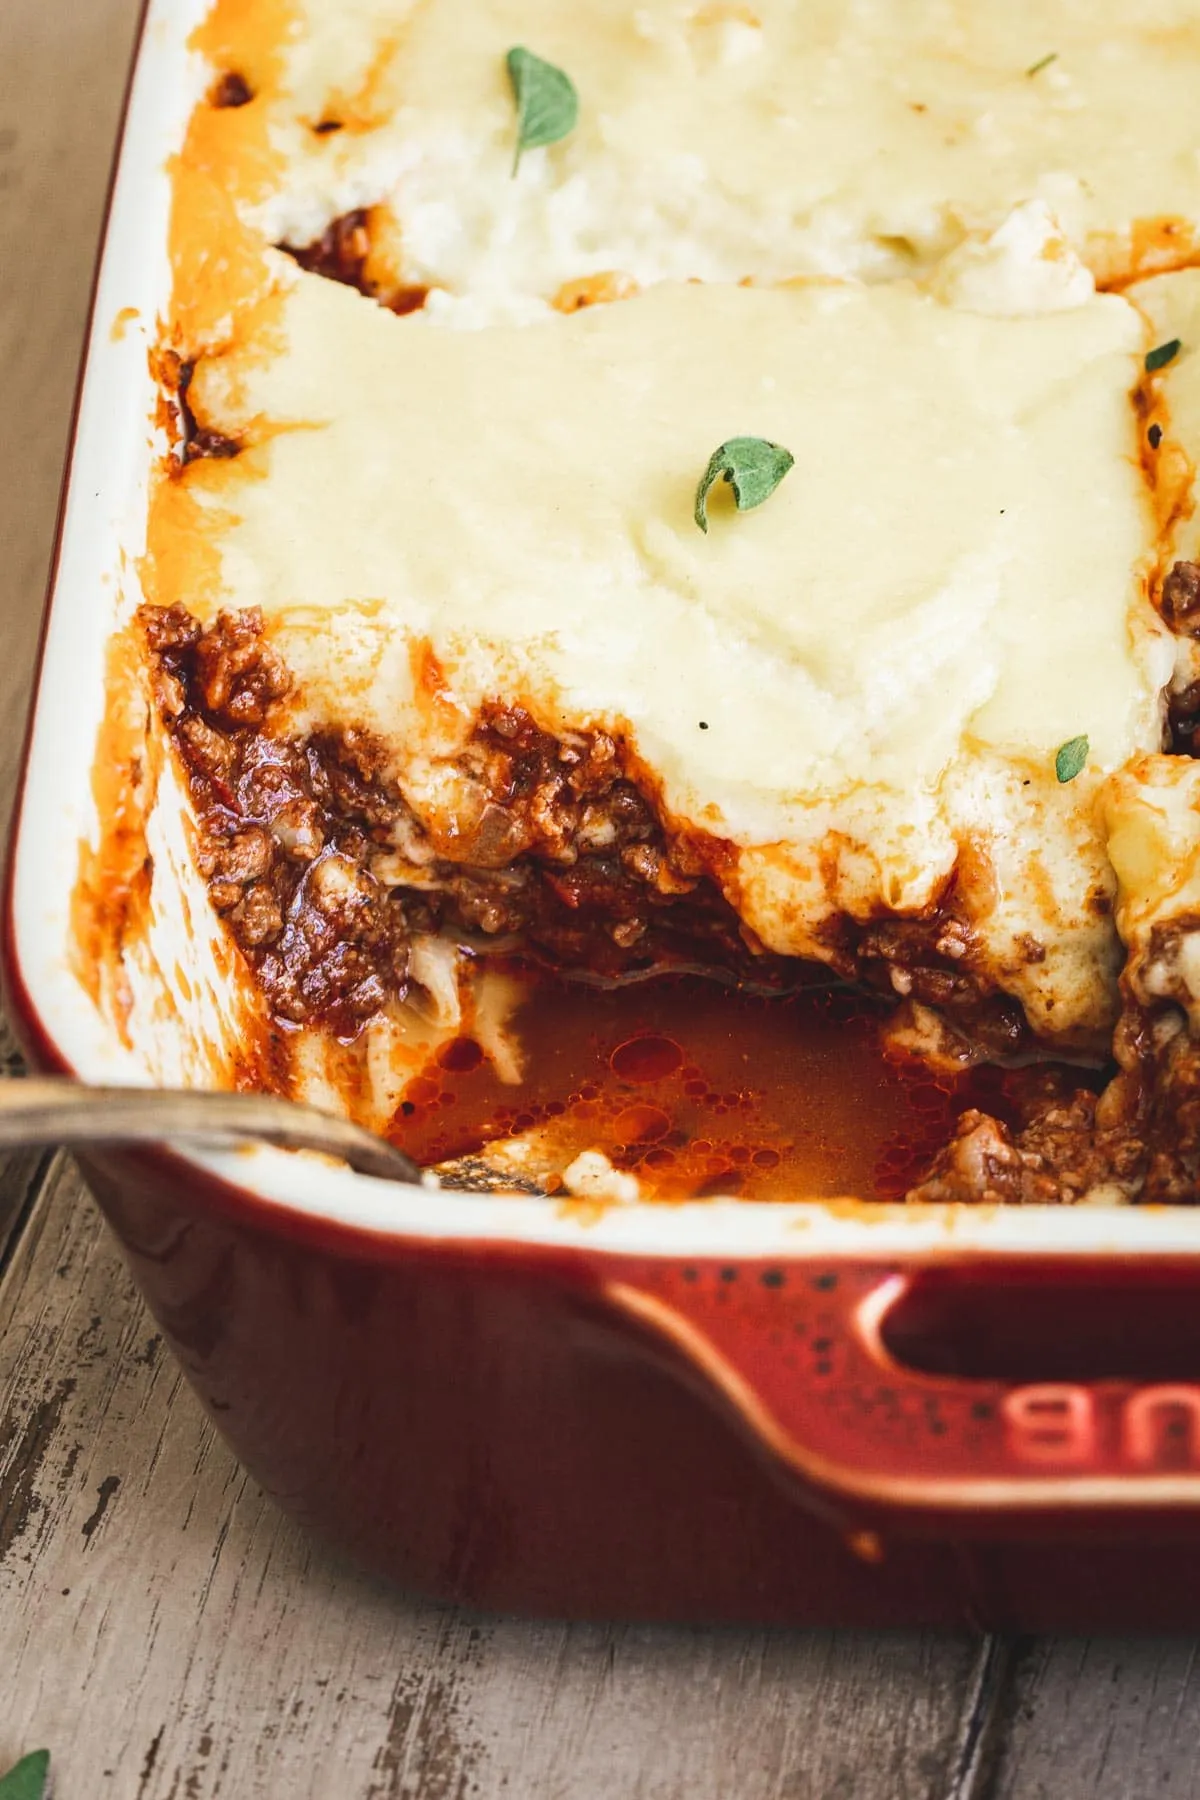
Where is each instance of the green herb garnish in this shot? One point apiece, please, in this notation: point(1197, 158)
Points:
point(1070, 759)
point(752, 467)
point(547, 104)
point(28, 1780)
point(1037, 67)
point(1165, 353)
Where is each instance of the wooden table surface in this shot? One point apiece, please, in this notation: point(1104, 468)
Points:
point(162, 1629)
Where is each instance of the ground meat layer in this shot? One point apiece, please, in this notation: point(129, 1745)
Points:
point(324, 874)
point(1060, 1149)
point(1137, 1140)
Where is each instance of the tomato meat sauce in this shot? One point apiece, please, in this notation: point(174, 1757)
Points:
point(701, 1090)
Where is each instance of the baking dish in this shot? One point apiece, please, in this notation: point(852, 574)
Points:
point(804, 1413)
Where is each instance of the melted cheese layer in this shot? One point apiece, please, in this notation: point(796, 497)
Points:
point(871, 670)
point(720, 139)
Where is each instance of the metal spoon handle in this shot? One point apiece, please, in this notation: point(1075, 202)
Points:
point(51, 1110)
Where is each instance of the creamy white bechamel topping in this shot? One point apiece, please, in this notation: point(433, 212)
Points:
point(720, 139)
point(872, 670)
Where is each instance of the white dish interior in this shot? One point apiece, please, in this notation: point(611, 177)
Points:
point(181, 1004)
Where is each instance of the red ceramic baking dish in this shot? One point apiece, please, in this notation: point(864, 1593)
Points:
point(797, 1412)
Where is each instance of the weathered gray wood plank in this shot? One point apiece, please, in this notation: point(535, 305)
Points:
point(61, 75)
point(1109, 1718)
point(62, 71)
point(168, 1634)
point(62, 67)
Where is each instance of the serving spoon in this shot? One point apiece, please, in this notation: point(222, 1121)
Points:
point(46, 1110)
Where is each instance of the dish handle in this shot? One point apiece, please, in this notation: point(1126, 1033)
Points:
point(974, 1397)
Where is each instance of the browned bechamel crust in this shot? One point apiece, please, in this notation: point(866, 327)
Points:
point(324, 873)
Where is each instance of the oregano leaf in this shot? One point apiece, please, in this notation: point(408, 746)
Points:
point(547, 104)
point(752, 466)
point(1160, 357)
point(1070, 759)
point(28, 1780)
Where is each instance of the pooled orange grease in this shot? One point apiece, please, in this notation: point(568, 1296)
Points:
point(700, 1090)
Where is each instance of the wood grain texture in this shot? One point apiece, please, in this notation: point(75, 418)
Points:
point(1112, 1719)
point(171, 1636)
point(62, 74)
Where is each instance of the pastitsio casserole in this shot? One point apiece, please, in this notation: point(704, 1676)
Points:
point(447, 665)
